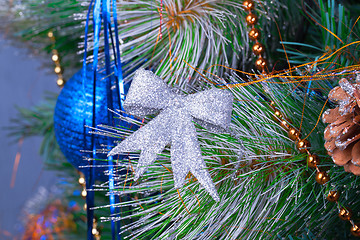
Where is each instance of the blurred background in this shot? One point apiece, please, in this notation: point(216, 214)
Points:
point(23, 177)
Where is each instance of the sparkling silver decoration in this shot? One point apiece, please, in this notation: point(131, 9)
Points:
point(149, 94)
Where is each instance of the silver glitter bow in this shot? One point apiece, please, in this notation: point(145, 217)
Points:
point(149, 94)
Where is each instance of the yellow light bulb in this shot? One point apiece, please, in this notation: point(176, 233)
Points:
point(57, 69)
point(81, 180)
point(55, 57)
point(50, 34)
point(60, 82)
point(84, 193)
point(95, 231)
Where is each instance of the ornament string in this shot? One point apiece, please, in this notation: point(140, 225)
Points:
point(90, 197)
point(294, 134)
point(101, 12)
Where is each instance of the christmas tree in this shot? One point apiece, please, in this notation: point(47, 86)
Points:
point(275, 171)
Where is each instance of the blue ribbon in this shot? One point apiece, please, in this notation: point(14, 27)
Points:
point(107, 20)
point(101, 11)
point(90, 175)
point(90, 182)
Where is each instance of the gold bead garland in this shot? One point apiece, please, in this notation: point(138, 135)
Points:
point(333, 196)
point(258, 48)
point(345, 214)
point(303, 145)
point(321, 176)
point(254, 35)
point(312, 160)
point(56, 59)
point(355, 229)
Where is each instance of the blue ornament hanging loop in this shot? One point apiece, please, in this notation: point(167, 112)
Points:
point(90, 176)
point(107, 20)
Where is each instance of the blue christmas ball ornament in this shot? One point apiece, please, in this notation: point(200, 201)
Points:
point(74, 111)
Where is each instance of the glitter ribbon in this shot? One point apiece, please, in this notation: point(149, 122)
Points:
point(148, 94)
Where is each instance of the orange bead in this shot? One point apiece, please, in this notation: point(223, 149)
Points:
point(293, 134)
point(284, 124)
point(313, 160)
point(261, 63)
point(355, 230)
point(254, 34)
point(345, 214)
point(248, 5)
point(333, 196)
point(277, 113)
point(251, 19)
point(322, 178)
point(303, 145)
point(258, 48)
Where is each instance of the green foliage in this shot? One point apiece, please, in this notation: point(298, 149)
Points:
point(266, 189)
point(333, 27)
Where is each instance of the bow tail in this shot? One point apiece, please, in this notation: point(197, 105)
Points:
point(151, 139)
point(204, 178)
point(147, 157)
point(179, 167)
point(186, 156)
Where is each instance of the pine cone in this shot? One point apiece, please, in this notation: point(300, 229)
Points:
point(342, 135)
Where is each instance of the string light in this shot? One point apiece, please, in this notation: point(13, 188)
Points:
point(60, 82)
point(56, 59)
point(83, 193)
point(50, 34)
point(57, 69)
point(81, 180)
point(95, 230)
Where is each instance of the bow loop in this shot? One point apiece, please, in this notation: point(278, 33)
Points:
point(211, 108)
point(148, 94)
